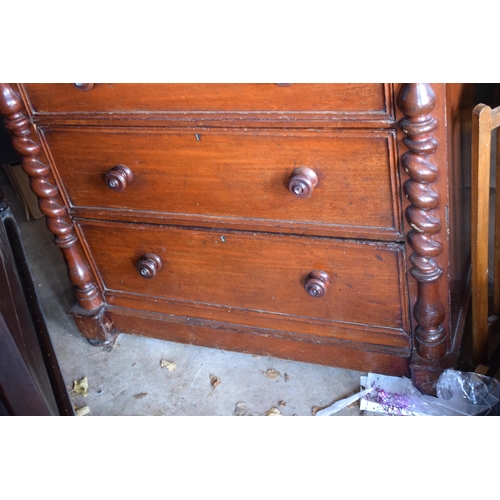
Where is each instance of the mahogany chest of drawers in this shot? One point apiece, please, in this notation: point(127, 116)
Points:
point(323, 223)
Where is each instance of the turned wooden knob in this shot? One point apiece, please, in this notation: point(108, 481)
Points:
point(317, 283)
point(119, 177)
point(302, 182)
point(149, 265)
point(83, 86)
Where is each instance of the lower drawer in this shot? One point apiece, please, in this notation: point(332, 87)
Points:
point(267, 280)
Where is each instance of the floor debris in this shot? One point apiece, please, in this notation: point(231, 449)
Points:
point(169, 365)
point(240, 410)
point(214, 381)
point(81, 387)
point(325, 411)
point(282, 403)
point(458, 394)
point(140, 395)
point(315, 409)
point(286, 377)
point(273, 412)
point(272, 374)
point(80, 412)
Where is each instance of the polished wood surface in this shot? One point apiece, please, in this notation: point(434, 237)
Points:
point(112, 97)
point(252, 271)
point(417, 102)
point(236, 177)
point(350, 354)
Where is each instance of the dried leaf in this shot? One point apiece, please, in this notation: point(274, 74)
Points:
point(140, 395)
point(241, 409)
point(315, 409)
point(273, 412)
point(215, 381)
point(169, 365)
point(272, 374)
point(287, 378)
point(84, 410)
point(81, 387)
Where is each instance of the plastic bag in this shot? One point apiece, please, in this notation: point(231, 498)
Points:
point(467, 393)
point(458, 393)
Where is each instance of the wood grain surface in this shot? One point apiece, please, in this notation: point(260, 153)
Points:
point(109, 97)
point(263, 273)
point(236, 177)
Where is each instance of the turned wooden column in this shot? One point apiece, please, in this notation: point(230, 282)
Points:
point(88, 296)
point(417, 101)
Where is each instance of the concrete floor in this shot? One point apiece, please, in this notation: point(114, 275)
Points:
point(128, 379)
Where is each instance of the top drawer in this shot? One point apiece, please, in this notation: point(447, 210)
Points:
point(359, 98)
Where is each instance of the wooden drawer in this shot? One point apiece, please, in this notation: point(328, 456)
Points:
point(253, 274)
point(235, 178)
point(362, 98)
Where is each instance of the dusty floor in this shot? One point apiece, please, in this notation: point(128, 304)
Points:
point(129, 379)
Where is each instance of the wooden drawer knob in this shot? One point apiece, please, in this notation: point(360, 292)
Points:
point(317, 283)
point(302, 182)
point(149, 265)
point(84, 86)
point(118, 178)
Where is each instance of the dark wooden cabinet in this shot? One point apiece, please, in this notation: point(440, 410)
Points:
point(31, 383)
point(325, 223)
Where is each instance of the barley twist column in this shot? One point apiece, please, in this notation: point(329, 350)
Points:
point(417, 101)
point(58, 221)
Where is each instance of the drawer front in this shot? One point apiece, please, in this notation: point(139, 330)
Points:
point(237, 177)
point(359, 98)
point(259, 273)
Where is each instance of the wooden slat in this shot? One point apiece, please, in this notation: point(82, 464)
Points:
point(481, 369)
point(481, 148)
point(495, 118)
point(496, 257)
